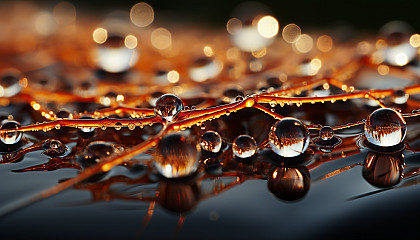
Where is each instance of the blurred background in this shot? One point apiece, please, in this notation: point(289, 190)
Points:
point(359, 14)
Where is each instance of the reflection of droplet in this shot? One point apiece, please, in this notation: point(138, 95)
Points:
point(289, 137)
point(178, 196)
point(385, 127)
point(211, 141)
point(177, 156)
point(10, 137)
point(9, 83)
point(383, 170)
point(289, 184)
point(244, 146)
point(53, 148)
point(168, 106)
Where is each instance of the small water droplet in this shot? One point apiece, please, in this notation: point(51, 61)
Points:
point(326, 133)
point(281, 104)
point(131, 126)
point(87, 129)
point(103, 127)
point(211, 141)
point(58, 126)
point(168, 106)
point(273, 103)
point(239, 98)
point(227, 113)
point(400, 97)
point(203, 126)
point(53, 148)
point(193, 108)
point(118, 126)
point(244, 146)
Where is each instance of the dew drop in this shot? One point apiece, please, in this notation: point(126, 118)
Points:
point(103, 127)
point(244, 146)
point(87, 129)
point(211, 141)
point(385, 127)
point(239, 98)
point(193, 108)
point(131, 126)
point(118, 126)
point(58, 126)
point(273, 103)
point(168, 106)
point(10, 137)
point(289, 137)
point(326, 133)
point(203, 126)
point(53, 148)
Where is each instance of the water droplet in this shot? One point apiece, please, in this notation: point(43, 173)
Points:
point(273, 103)
point(385, 127)
point(211, 141)
point(10, 137)
point(63, 114)
point(227, 113)
point(118, 126)
point(186, 108)
point(383, 170)
point(244, 146)
point(289, 184)
point(326, 133)
point(333, 100)
point(9, 83)
point(168, 106)
point(53, 148)
point(400, 97)
point(58, 126)
point(87, 129)
point(288, 137)
point(131, 126)
point(177, 156)
point(115, 52)
point(203, 126)
point(193, 108)
point(203, 69)
point(230, 95)
point(239, 98)
point(103, 127)
point(281, 104)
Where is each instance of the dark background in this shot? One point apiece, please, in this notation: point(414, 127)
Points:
point(361, 14)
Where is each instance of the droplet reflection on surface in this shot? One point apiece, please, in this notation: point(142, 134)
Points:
point(211, 141)
point(289, 184)
point(168, 106)
point(244, 146)
point(289, 137)
point(383, 170)
point(10, 137)
point(385, 127)
point(177, 156)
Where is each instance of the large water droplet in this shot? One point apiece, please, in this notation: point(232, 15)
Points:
point(289, 184)
point(289, 137)
point(177, 156)
point(244, 146)
point(385, 127)
point(10, 137)
point(168, 106)
point(211, 141)
point(383, 170)
point(9, 83)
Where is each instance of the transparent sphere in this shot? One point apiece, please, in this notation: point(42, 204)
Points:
point(53, 148)
point(87, 129)
point(383, 170)
point(177, 156)
point(326, 133)
point(115, 52)
point(289, 184)
point(385, 127)
point(244, 146)
point(288, 137)
point(9, 83)
point(203, 69)
point(168, 106)
point(10, 137)
point(211, 141)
